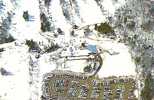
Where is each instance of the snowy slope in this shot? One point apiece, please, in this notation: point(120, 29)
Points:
point(117, 65)
point(14, 60)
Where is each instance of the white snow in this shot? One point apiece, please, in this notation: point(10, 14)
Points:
point(136, 93)
point(76, 66)
point(15, 57)
point(110, 7)
point(90, 12)
point(16, 86)
point(59, 19)
point(46, 65)
point(27, 30)
point(113, 65)
point(117, 65)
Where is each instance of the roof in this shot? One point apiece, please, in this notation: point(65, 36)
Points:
point(92, 48)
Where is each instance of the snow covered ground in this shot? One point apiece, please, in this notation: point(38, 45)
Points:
point(90, 12)
point(117, 65)
point(120, 64)
point(22, 29)
point(15, 86)
point(110, 6)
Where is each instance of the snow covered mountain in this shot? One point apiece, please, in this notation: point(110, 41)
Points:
point(34, 34)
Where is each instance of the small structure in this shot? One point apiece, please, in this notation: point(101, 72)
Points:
point(26, 15)
point(4, 72)
point(92, 48)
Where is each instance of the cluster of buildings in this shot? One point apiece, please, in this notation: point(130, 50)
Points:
point(67, 85)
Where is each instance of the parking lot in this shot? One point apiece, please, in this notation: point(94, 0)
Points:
point(73, 86)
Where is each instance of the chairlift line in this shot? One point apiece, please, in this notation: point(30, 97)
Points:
point(73, 56)
point(78, 59)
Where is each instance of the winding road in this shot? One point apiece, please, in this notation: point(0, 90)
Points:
point(94, 58)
